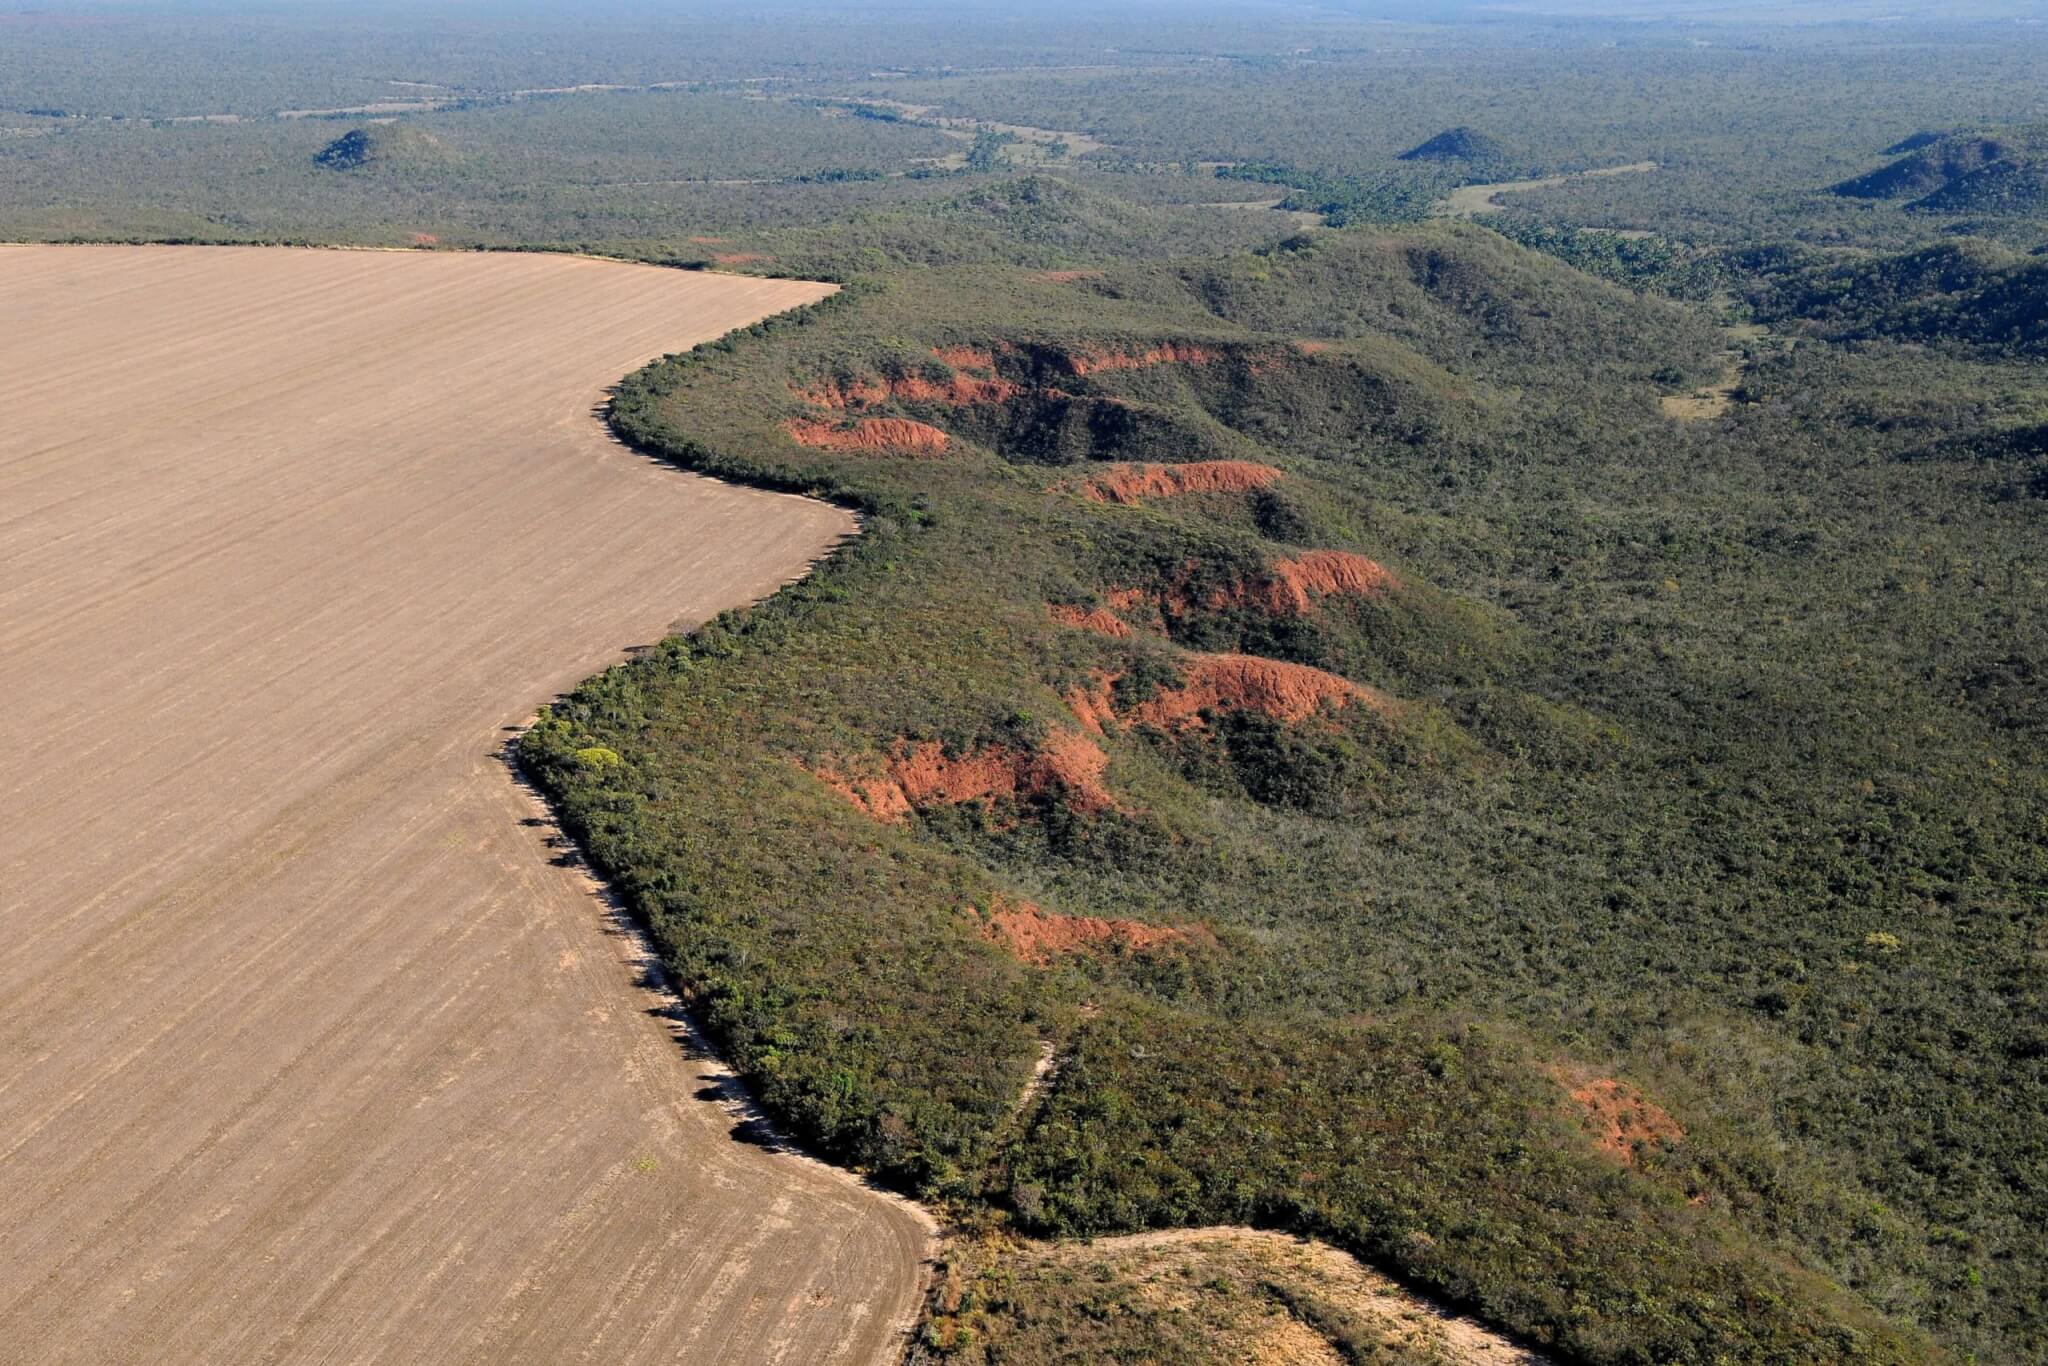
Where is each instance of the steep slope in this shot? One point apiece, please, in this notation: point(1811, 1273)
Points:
point(1968, 292)
point(390, 147)
point(1990, 173)
point(1460, 144)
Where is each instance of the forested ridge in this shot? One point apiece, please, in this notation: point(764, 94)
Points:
point(1684, 763)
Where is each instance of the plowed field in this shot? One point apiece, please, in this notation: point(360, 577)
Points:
point(310, 1047)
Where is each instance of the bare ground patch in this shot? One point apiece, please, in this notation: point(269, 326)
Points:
point(1471, 201)
point(1202, 1295)
point(1717, 399)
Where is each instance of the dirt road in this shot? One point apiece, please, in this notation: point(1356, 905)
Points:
point(307, 1051)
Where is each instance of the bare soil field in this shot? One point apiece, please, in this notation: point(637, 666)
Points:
point(311, 1047)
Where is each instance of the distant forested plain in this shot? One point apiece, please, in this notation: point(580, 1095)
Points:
point(1514, 746)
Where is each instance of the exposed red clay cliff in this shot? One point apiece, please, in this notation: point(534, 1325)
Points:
point(920, 774)
point(869, 434)
point(1168, 353)
point(1327, 573)
point(1621, 1117)
point(1289, 588)
point(1134, 482)
point(1094, 706)
point(1038, 938)
point(1270, 687)
point(1100, 620)
point(958, 391)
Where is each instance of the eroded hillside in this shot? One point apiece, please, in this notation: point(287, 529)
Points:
point(1265, 687)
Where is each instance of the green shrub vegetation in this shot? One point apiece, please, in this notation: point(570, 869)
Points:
point(1708, 770)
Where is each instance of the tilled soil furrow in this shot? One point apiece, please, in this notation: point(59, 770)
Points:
point(308, 1051)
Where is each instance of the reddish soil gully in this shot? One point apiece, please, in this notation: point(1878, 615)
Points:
point(306, 1049)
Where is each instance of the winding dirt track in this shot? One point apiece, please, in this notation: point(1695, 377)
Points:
point(307, 1052)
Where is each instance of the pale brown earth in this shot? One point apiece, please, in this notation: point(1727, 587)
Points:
point(1718, 398)
point(1470, 201)
point(1379, 1303)
point(307, 1051)
point(1224, 1295)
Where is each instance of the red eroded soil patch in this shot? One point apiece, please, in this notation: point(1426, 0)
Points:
point(1289, 589)
point(1168, 353)
point(1100, 620)
point(920, 774)
point(840, 394)
point(1094, 705)
point(955, 392)
point(876, 795)
point(1270, 687)
point(1621, 1117)
point(1076, 763)
point(1039, 938)
point(869, 434)
point(1311, 348)
point(740, 258)
point(1324, 573)
point(1131, 483)
point(966, 357)
point(424, 239)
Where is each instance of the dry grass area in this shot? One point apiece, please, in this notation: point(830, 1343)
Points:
point(1470, 201)
point(311, 1045)
point(1215, 1295)
point(1718, 398)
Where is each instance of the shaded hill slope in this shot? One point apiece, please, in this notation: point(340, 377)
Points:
point(1968, 292)
point(1994, 173)
point(1459, 144)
